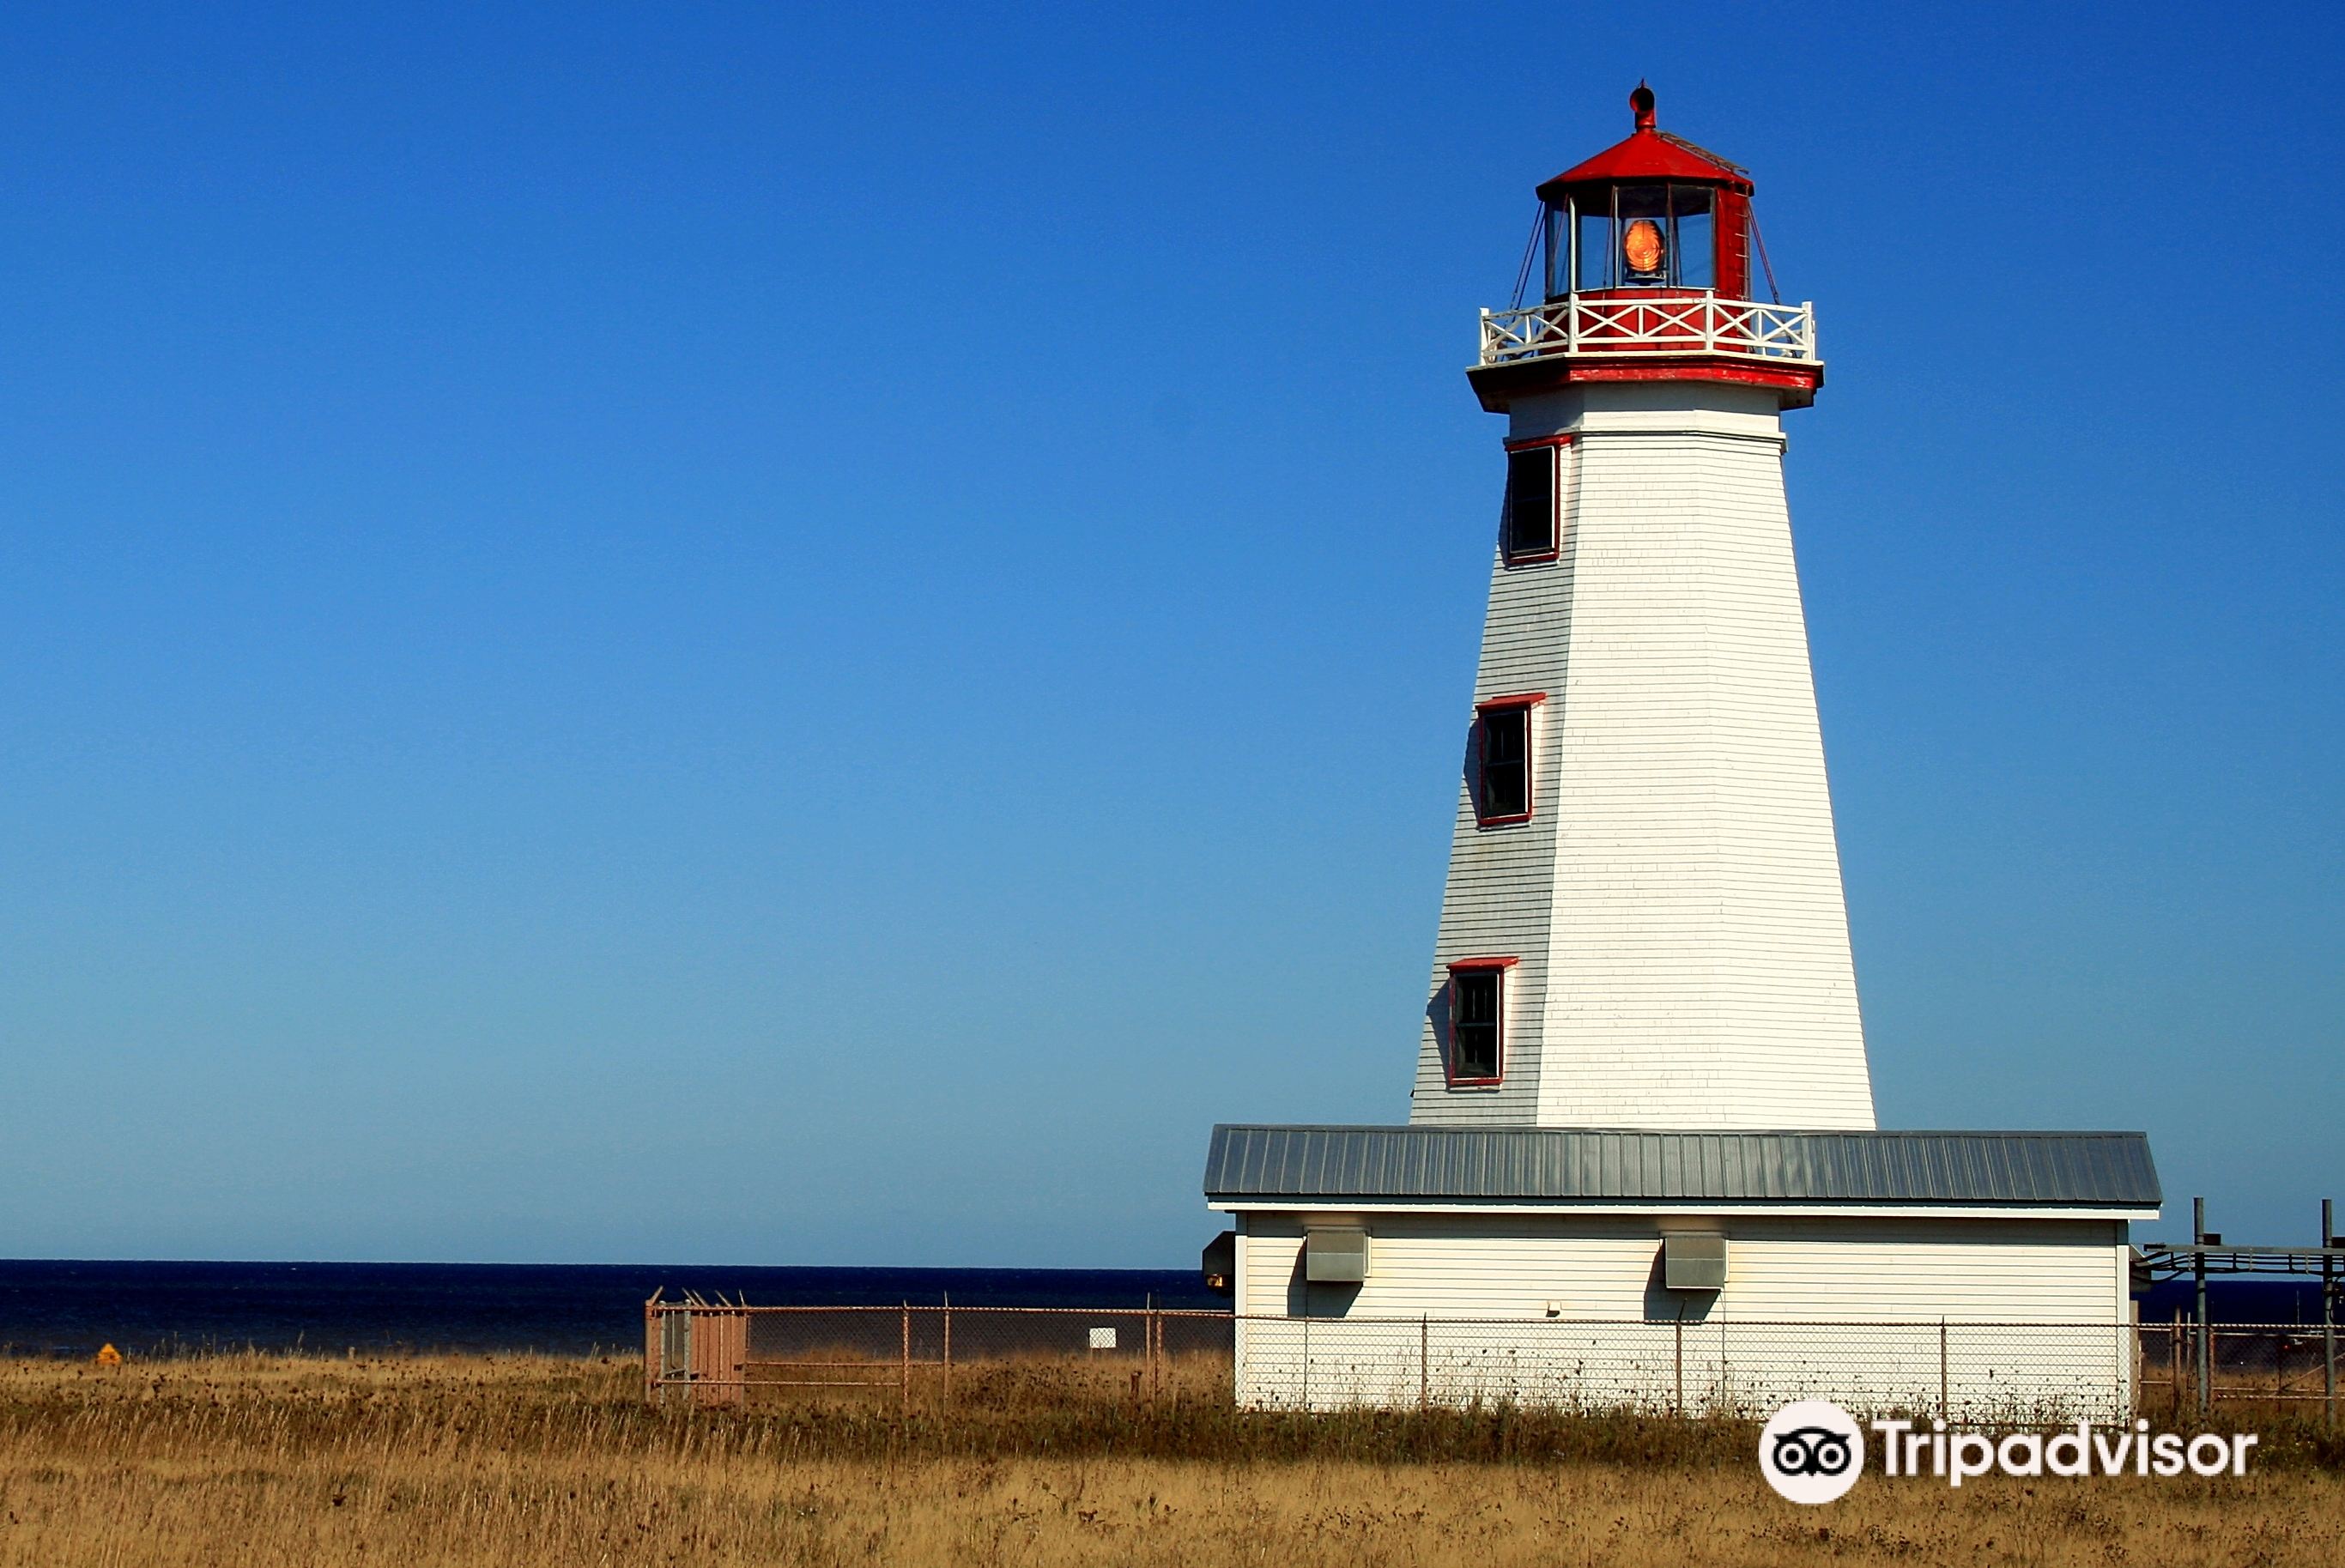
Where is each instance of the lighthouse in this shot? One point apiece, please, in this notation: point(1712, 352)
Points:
point(1643, 924)
point(1640, 1165)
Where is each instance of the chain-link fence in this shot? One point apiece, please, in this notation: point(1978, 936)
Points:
point(2282, 1366)
point(1006, 1358)
point(928, 1357)
point(1963, 1372)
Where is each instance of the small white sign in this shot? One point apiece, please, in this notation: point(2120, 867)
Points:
point(1102, 1339)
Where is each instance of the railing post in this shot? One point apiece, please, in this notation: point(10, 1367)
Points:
point(1945, 1402)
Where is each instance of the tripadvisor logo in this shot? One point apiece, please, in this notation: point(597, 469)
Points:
point(1811, 1452)
point(1814, 1451)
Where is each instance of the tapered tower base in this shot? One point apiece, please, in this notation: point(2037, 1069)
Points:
point(1672, 905)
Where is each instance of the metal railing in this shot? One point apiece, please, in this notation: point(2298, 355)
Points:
point(1697, 324)
point(937, 1357)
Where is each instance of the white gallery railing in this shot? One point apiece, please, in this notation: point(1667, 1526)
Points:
point(1702, 324)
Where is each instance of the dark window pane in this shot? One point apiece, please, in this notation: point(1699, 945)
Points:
point(1474, 1024)
point(1476, 1054)
point(1503, 735)
point(1477, 996)
point(1530, 501)
point(1505, 756)
point(1502, 792)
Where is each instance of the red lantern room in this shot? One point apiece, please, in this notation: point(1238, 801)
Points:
point(1653, 212)
point(1649, 251)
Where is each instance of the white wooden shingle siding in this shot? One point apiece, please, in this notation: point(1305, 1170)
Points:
point(1675, 901)
point(1571, 1307)
point(1814, 1268)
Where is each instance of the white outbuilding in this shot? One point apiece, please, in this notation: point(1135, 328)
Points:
point(1641, 1162)
point(1690, 1270)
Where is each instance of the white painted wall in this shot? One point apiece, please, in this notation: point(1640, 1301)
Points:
point(1675, 902)
point(1571, 1309)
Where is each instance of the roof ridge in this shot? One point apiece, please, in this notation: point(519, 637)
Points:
point(1700, 151)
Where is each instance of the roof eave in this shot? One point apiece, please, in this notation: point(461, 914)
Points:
point(2047, 1210)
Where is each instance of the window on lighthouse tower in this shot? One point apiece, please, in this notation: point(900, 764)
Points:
point(1530, 504)
point(1502, 762)
point(1477, 1022)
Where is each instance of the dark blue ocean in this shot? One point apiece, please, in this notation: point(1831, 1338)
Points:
point(70, 1309)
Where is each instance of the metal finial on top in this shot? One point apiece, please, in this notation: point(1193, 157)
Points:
point(1641, 100)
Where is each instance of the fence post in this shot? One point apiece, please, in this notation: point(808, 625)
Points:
point(948, 1331)
point(2136, 1362)
point(1148, 1348)
point(1424, 1361)
point(905, 1367)
point(2174, 1362)
point(1945, 1404)
point(1679, 1326)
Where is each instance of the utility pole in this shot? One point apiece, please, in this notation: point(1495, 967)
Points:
point(2328, 1287)
point(2198, 1272)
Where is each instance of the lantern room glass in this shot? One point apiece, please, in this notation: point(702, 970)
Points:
point(1595, 246)
point(1633, 237)
point(1694, 246)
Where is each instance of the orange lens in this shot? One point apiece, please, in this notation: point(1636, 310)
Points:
point(1642, 245)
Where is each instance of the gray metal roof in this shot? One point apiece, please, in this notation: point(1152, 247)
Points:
point(1536, 1164)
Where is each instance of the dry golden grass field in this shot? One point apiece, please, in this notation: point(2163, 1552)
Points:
point(541, 1463)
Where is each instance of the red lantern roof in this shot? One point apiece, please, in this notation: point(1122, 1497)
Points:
point(1649, 154)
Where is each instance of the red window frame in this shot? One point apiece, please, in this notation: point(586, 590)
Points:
point(1553, 445)
point(1529, 702)
point(1495, 967)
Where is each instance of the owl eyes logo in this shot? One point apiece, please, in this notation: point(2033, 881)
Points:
point(1811, 1452)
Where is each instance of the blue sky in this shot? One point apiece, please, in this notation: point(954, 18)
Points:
point(767, 636)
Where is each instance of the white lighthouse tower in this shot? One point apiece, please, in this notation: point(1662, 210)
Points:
point(1643, 924)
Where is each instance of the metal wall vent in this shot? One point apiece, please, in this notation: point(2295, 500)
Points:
point(1334, 1255)
point(1692, 1261)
